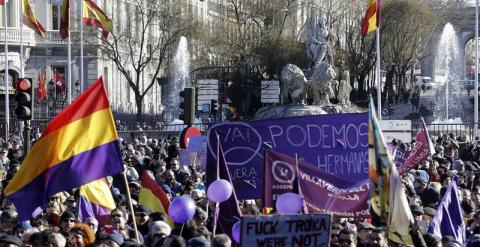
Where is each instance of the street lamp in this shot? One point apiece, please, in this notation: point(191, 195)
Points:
point(475, 98)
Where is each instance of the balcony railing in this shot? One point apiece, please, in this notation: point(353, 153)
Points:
point(30, 38)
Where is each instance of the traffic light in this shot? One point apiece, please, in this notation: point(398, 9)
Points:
point(24, 99)
point(188, 105)
point(213, 107)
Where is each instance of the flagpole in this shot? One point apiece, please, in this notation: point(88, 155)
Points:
point(7, 103)
point(131, 206)
point(22, 70)
point(81, 46)
point(69, 58)
point(217, 205)
point(475, 97)
point(377, 68)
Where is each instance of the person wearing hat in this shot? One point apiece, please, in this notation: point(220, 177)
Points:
point(428, 214)
point(364, 230)
point(114, 239)
point(198, 242)
point(67, 221)
point(160, 230)
point(142, 216)
point(81, 235)
point(10, 241)
point(428, 195)
point(20, 228)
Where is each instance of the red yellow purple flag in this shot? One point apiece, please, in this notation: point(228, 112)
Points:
point(77, 147)
point(29, 19)
point(371, 20)
point(94, 16)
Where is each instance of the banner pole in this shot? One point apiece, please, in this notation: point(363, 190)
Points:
point(7, 103)
point(69, 58)
point(131, 206)
point(81, 46)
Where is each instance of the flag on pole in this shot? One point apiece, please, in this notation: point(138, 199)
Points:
point(379, 162)
point(60, 82)
point(77, 147)
point(400, 217)
point(94, 16)
point(65, 19)
point(449, 218)
point(96, 201)
point(229, 212)
point(29, 19)
point(389, 193)
point(42, 87)
point(2, 2)
point(371, 20)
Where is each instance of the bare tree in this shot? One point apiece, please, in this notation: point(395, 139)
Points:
point(406, 27)
point(143, 44)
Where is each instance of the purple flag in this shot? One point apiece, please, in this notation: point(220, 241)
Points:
point(322, 192)
point(229, 212)
point(449, 217)
point(406, 160)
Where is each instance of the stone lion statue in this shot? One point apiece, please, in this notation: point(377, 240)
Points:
point(294, 85)
point(321, 81)
point(344, 89)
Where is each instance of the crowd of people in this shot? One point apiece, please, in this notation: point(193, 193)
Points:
point(59, 225)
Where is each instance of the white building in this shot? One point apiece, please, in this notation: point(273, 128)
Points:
point(50, 54)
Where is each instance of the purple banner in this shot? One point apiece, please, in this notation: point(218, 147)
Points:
point(399, 155)
point(406, 160)
point(322, 192)
point(335, 143)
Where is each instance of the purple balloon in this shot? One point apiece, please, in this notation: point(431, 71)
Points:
point(219, 191)
point(182, 209)
point(289, 203)
point(236, 231)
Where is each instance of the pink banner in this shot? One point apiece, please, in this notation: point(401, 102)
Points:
point(420, 151)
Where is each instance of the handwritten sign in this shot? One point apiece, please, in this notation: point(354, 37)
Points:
point(335, 143)
point(286, 230)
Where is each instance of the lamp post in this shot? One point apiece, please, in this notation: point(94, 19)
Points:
point(475, 98)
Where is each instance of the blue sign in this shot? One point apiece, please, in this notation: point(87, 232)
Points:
point(286, 230)
point(335, 143)
point(195, 143)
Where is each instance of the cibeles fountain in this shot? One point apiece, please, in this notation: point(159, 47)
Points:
point(178, 80)
point(320, 82)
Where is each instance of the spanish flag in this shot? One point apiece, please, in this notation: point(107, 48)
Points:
point(372, 17)
point(77, 147)
point(29, 19)
point(94, 16)
point(65, 19)
point(96, 201)
point(152, 195)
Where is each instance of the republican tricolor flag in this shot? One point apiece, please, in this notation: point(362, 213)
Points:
point(372, 17)
point(79, 145)
point(95, 201)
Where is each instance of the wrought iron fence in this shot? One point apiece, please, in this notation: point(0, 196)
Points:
point(458, 129)
point(165, 132)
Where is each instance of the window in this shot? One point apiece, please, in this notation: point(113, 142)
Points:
point(55, 17)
